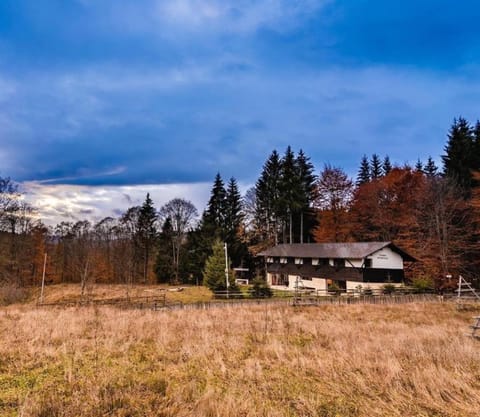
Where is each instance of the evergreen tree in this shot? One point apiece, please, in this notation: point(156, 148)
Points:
point(238, 250)
point(214, 273)
point(233, 210)
point(459, 158)
point(387, 166)
point(290, 188)
point(308, 180)
point(147, 232)
point(305, 172)
point(267, 196)
point(364, 172)
point(430, 168)
point(419, 166)
point(476, 147)
point(164, 265)
point(215, 213)
point(375, 167)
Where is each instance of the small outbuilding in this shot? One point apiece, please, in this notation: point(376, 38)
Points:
point(318, 266)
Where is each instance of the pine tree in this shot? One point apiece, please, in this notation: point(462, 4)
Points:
point(364, 172)
point(387, 166)
point(267, 195)
point(238, 250)
point(214, 273)
point(164, 264)
point(147, 232)
point(459, 158)
point(375, 167)
point(430, 168)
point(215, 213)
point(305, 172)
point(476, 148)
point(419, 166)
point(290, 187)
point(233, 209)
point(308, 180)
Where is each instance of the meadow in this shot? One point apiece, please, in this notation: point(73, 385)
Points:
point(329, 361)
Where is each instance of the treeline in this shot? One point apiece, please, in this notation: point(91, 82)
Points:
point(431, 212)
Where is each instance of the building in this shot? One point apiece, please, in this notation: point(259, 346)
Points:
point(347, 266)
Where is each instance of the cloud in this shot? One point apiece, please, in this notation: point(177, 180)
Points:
point(57, 203)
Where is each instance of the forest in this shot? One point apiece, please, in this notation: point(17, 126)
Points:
point(432, 212)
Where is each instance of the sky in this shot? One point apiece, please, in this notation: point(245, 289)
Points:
point(103, 101)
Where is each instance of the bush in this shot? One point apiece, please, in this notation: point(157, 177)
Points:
point(334, 288)
point(422, 284)
point(260, 289)
point(388, 289)
point(367, 291)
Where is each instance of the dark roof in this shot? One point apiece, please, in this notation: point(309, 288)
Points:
point(347, 250)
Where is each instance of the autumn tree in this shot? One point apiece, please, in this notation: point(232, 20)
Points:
point(334, 194)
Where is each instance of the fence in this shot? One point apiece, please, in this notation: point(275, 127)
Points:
point(235, 299)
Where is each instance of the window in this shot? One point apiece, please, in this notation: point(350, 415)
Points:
point(298, 261)
point(283, 260)
point(270, 260)
point(280, 279)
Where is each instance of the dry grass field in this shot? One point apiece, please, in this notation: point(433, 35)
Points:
point(345, 361)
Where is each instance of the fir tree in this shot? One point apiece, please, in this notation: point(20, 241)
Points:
point(364, 171)
point(387, 166)
point(459, 159)
point(147, 232)
point(215, 213)
point(476, 147)
point(267, 196)
point(419, 166)
point(307, 220)
point(430, 169)
point(214, 273)
point(375, 167)
point(305, 172)
point(164, 265)
point(233, 208)
point(290, 188)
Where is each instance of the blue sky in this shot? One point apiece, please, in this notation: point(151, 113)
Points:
point(99, 95)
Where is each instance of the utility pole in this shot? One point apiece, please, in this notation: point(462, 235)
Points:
point(226, 266)
point(43, 278)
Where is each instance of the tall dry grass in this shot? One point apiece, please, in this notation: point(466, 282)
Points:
point(405, 360)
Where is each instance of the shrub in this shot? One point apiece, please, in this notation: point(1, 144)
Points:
point(422, 284)
point(334, 288)
point(367, 291)
point(260, 289)
point(388, 288)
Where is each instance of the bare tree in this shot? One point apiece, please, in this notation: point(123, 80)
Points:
point(334, 195)
point(182, 214)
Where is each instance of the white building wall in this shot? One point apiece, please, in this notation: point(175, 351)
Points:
point(353, 263)
point(387, 259)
